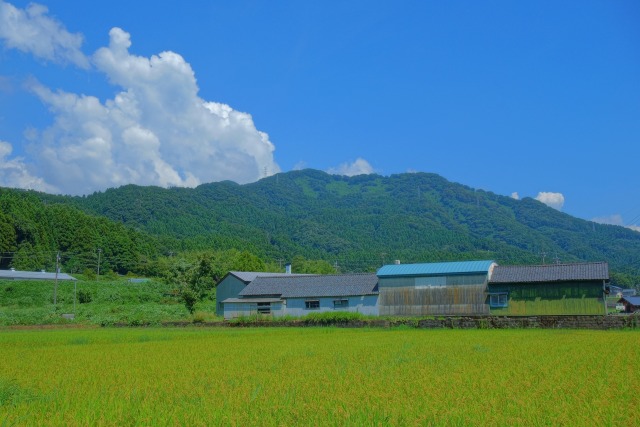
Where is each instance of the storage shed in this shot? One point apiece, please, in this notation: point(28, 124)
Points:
point(443, 288)
point(631, 304)
point(299, 295)
point(523, 290)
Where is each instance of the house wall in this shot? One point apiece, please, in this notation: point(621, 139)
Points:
point(229, 287)
point(525, 299)
point(365, 304)
point(233, 310)
point(433, 295)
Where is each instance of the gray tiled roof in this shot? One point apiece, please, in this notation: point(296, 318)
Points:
point(291, 286)
point(248, 276)
point(33, 275)
point(550, 273)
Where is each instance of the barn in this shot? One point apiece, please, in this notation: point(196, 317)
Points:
point(444, 288)
point(299, 295)
point(572, 288)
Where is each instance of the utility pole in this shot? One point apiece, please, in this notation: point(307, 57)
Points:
point(55, 287)
point(99, 252)
point(383, 255)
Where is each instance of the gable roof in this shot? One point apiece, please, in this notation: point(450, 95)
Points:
point(301, 286)
point(249, 276)
point(436, 268)
point(33, 275)
point(550, 272)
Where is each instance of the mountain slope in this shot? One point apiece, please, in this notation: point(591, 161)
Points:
point(361, 221)
point(32, 232)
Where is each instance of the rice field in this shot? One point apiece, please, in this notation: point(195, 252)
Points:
point(318, 376)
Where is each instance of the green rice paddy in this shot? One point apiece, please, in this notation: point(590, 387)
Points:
point(318, 376)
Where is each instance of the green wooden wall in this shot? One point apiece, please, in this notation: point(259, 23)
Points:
point(550, 298)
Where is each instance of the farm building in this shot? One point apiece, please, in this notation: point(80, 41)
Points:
point(299, 295)
point(445, 288)
point(631, 304)
point(234, 282)
point(577, 288)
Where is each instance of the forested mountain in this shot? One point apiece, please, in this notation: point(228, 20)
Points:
point(33, 233)
point(360, 222)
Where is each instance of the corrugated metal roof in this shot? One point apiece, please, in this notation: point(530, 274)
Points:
point(435, 268)
point(632, 300)
point(250, 300)
point(291, 286)
point(550, 272)
point(33, 275)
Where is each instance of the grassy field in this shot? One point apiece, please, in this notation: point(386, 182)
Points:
point(105, 302)
point(318, 376)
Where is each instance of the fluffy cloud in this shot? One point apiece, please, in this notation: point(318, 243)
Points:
point(515, 195)
point(31, 31)
point(14, 172)
point(554, 200)
point(155, 131)
point(359, 167)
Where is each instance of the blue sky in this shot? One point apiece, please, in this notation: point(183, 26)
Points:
point(538, 98)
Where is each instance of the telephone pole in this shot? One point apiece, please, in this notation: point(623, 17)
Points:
point(99, 252)
point(55, 287)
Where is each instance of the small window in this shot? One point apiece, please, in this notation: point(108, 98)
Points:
point(312, 304)
point(499, 300)
point(340, 303)
point(264, 308)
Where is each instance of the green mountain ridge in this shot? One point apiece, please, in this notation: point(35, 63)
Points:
point(354, 223)
point(357, 223)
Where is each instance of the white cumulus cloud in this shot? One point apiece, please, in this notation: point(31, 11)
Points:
point(359, 167)
point(554, 200)
point(156, 130)
point(14, 172)
point(515, 195)
point(31, 30)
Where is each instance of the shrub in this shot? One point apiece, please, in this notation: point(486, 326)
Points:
point(89, 274)
point(332, 317)
point(84, 296)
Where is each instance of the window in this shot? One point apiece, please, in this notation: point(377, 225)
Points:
point(264, 308)
point(340, 303)
point(499, 300)
point(312, 304)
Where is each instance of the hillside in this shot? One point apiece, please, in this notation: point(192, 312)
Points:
point(361, 221)
point(33, 231)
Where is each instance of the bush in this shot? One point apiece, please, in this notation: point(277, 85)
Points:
point(84, 296)
point(89, 274)
point(332, 317)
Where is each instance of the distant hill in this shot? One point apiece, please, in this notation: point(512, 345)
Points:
point(33, 231)
point(359, 222)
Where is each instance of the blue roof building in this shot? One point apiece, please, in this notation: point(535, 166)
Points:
point(441, 288)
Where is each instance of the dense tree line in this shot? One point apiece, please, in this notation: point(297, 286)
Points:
point(33, 234)
point(357, 223)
